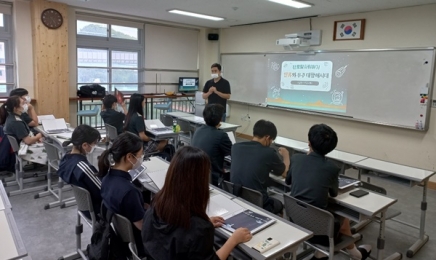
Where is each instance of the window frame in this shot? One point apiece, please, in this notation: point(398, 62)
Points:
point(7, 36)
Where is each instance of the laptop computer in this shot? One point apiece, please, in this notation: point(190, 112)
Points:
point(156, 126)
point(55, 126)
point(136, 173)
point(233, 140)
point(45, 117)
point(345, 182)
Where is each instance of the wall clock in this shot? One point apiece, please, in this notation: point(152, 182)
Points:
point(52, 18)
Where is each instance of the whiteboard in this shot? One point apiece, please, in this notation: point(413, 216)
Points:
point(390, 87)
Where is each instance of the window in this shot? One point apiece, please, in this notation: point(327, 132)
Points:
point(113, 59)
point(7, 81)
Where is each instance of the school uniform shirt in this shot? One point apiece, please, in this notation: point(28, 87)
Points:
point(113, 118)
point(121, 197)
point(16, 127)
point(76, 170)
point(216, 144)
point(313, 179)
point(222, 86)
point(137, 125)
point(164, 241)
point(251, 164)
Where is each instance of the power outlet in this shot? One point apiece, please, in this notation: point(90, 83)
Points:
point(245, 117)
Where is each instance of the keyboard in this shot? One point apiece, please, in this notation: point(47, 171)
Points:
point(58, 131)
point(346, 182)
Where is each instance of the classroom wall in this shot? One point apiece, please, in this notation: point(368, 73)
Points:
point(396, 28)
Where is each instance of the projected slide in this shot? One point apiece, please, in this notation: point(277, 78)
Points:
point(309, 85)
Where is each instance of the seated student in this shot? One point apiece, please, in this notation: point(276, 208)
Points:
point(252, 162)
point(135, 124)
point(314, 178)
point(212, 140)
point(110, 115)
point(74, 167)
point(176, 226)
point(118, 192)
point(29, 115)
point(10, 116)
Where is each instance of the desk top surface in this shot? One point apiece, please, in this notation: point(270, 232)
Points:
point(291, 143)
point(11, 244)
point(288, 234)
point(368, 205)
point(343, 156)
point(179, 114)
point(401, 171)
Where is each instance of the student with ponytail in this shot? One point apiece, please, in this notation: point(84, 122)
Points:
point(74, 167)
point(10, 116)
point(117, 190)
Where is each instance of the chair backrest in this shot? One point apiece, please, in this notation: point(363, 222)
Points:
point(253, 196)
point(84, 201)
point(166, 120)
point(373, 187)
point(14, 143)
point(132, 248)
point(185, 126)
point(96, 109)
point(320, 222)
point(123, 227)
point(53, 155)
point(111, 132)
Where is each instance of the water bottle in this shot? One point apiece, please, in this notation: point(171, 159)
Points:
point(174, 125)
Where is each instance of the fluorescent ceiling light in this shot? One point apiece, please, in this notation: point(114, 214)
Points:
point(292, 3)
point(203, 16)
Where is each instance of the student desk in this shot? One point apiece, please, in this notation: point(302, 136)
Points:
point(178, 114)
point(291, 143)
point(4, 200)
point(288, 234)
point(412, 176)
point(197, 120)
point(11, 244)
point(369, 206)
point(158, 136)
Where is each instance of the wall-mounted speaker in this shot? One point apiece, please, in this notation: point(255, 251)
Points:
point(213, 36)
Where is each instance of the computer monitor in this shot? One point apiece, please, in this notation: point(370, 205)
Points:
point(188, 84)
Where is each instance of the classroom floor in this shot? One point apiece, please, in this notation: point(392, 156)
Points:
point(49, 234)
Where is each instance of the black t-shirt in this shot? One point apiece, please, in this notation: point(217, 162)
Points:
point(215, 143)
point(113, 118)
point(136, 124)
point(16, 127)
point(163, 241)
point(222, 86)
point(251, 164)
point(313, 179)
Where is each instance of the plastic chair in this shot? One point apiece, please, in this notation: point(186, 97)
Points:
point(19, 173)
point(84, 203)
point(253, 196)
point(123, 228)
point(111, 134)
point(185, 131)
point(53, 158)
point(167, 106)
point(166, 120)
point(89, 114)
point(319, 221)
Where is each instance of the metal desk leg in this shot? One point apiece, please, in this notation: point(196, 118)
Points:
point(151, 108)
point(423, 238)
point(381, 236)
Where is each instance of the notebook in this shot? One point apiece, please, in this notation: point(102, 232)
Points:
point(236, 216)
point(45, 117)
point(55, 126)
point(345, 182)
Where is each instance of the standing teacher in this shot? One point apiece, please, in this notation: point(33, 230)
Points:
point(217, 90)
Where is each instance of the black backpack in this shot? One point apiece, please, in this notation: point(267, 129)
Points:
point(105, 243)
point(91, 91)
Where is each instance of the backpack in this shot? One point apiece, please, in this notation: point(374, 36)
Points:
point(7, 156)
point(93, 90)
point(105, 243)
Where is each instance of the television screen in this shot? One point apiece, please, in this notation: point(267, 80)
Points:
point(188, 84)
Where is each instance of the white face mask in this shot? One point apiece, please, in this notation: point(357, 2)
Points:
point(25, 108)
point(214, 76)
point(138, 162)
point(92, 150)
point(28, 99)
point(119, 108)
